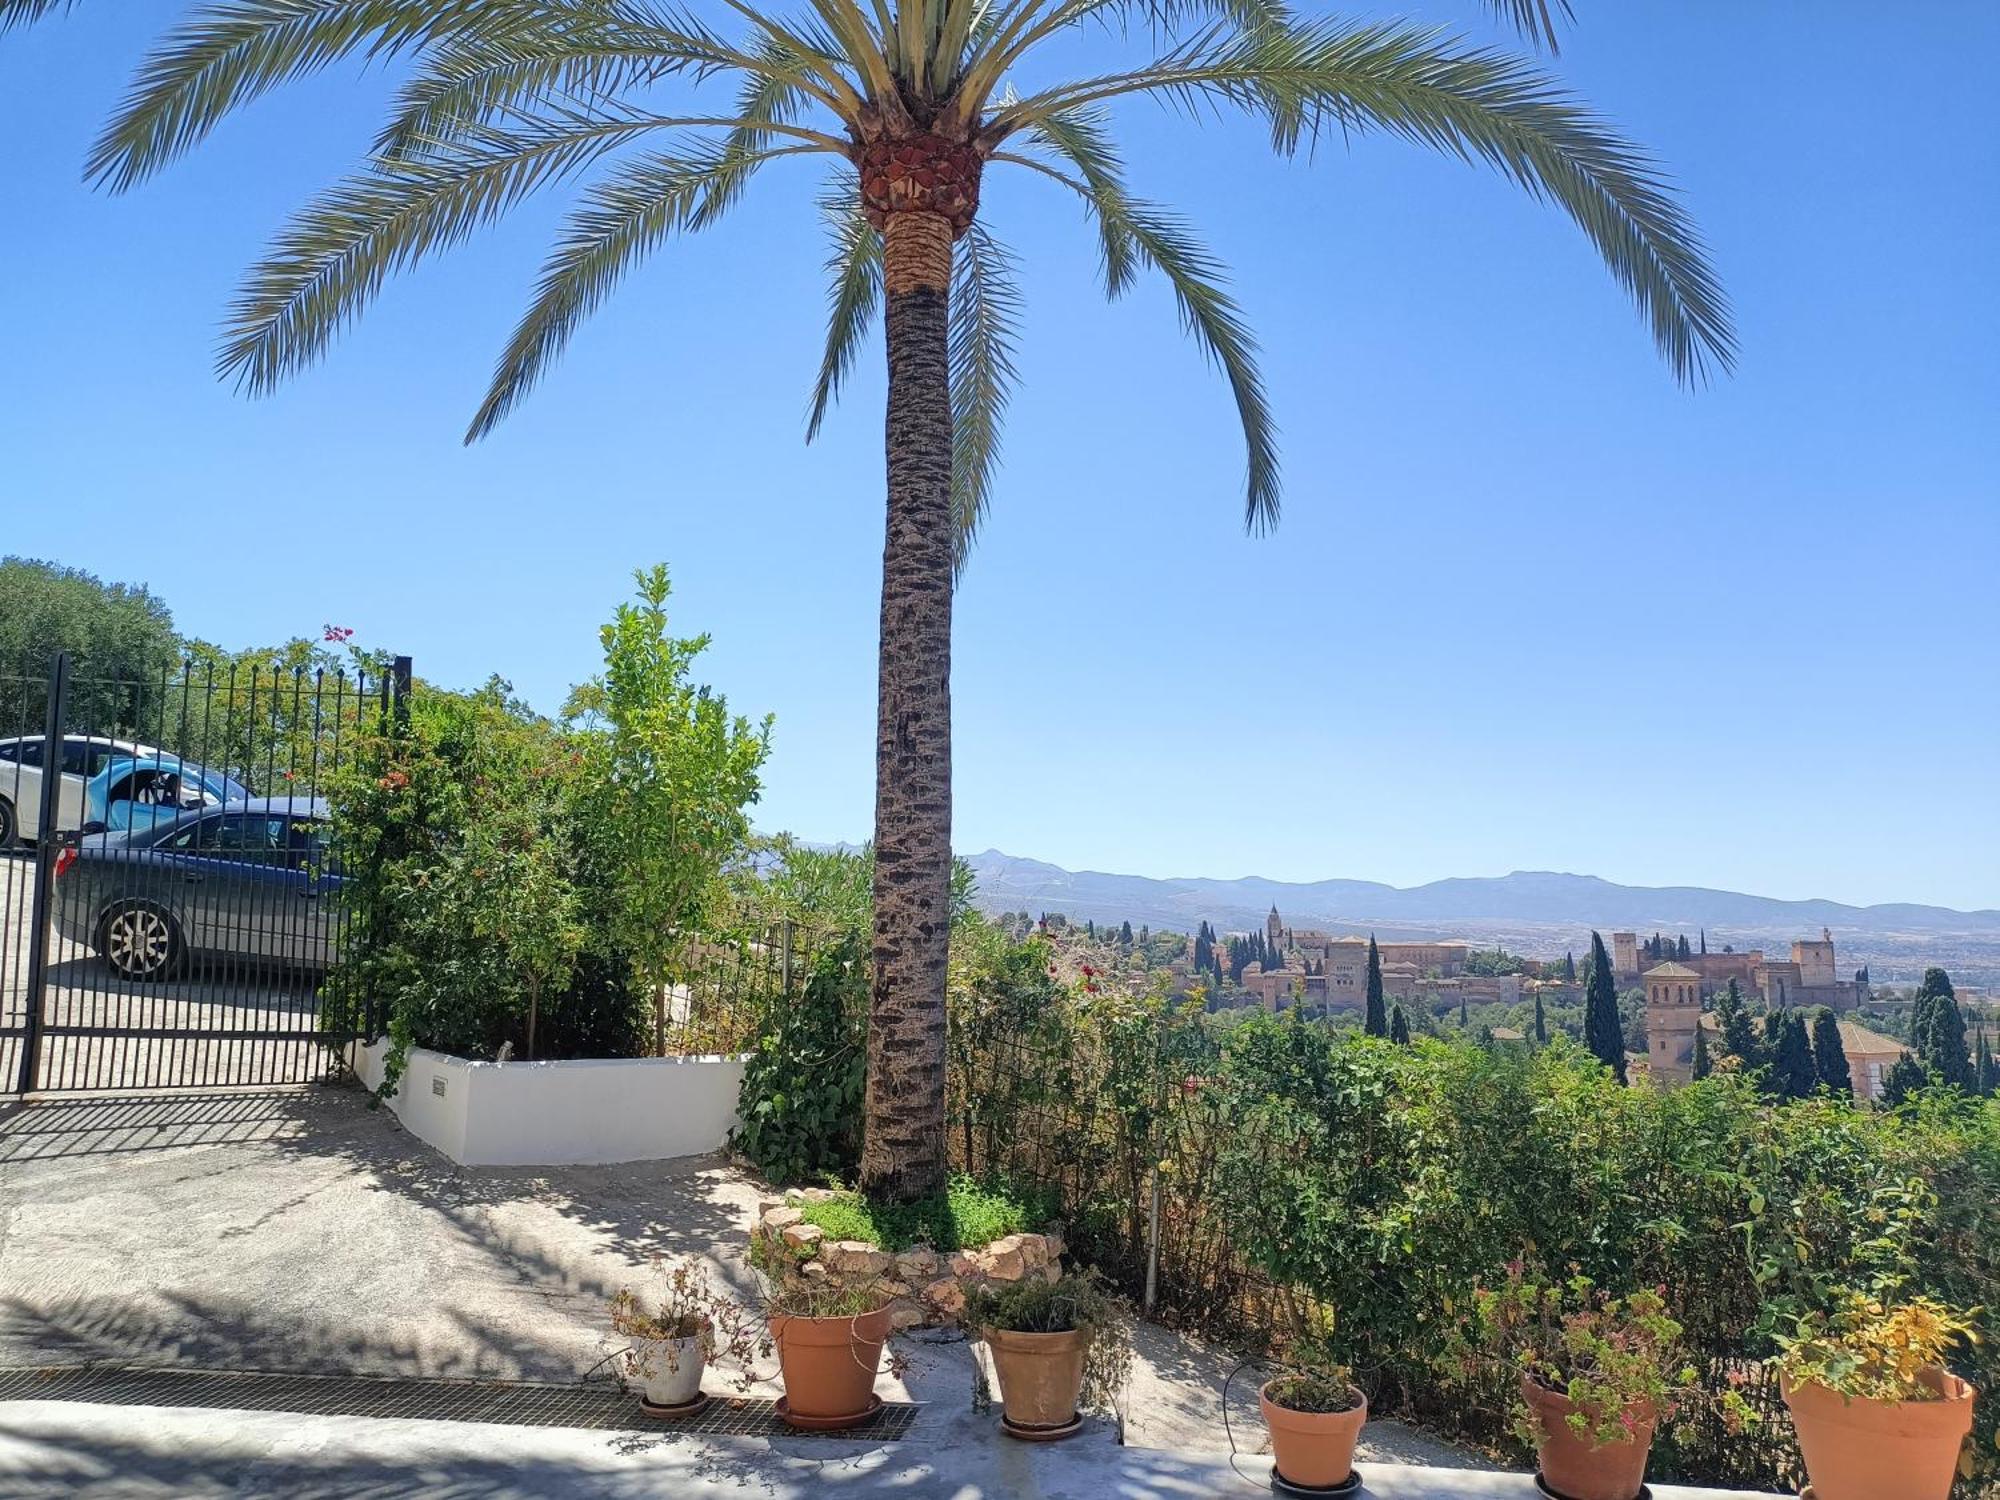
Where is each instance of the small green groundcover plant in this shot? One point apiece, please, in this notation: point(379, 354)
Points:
point(1610, 1355)
point(967, 1215)
point(1078, 1300)
point(1873, 1350)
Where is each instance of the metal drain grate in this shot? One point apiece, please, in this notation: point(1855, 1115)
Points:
point(598, 1407)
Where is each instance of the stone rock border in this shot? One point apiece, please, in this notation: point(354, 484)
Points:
point(923, 1286)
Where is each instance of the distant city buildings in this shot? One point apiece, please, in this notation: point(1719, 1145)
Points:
point(1809, 977)
point(1676, 990)
point(1327, 973)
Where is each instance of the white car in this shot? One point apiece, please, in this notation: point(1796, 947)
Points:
point(83, 756)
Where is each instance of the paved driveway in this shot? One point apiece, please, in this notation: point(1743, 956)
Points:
point(301, 1231)
point(162, 1049)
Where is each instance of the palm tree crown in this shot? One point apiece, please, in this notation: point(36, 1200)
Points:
point(508, 97)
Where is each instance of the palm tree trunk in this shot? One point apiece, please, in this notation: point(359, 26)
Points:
point(903, 1150)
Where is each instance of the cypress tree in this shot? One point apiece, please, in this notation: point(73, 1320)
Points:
point(1125, 934)
point(1984, 1079)
point(1793, 1074)
point(1681, 951)
point(1602, 1032)
point(1375, 1020)
point(1829, 1057)
point(1399, 1026)
point(1702, 1065)
point(1904, 1079)
point(1464, 1017)
point(1541, 1022)
point(1569, 968)
point(1738, 1036)
point(1939, 1030)
point(1091, 928)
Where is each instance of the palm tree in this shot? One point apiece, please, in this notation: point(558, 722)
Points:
point(912, 101)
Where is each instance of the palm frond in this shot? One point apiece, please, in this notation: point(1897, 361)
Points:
point(329, 262)
point(620, 220)
point(229, 53)
point(476, 79)
point(1470, 103)
point(764, 103)
point(1212, 316)
point(27, 12)
point(1207, 311)
point(1080, 137)
point(985, 326)
point(1534, 19)
point(854, 294)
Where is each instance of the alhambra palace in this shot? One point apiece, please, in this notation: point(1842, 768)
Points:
point(1326, 973)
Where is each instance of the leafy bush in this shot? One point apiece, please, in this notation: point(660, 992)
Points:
point(1301, 1169)
point(1862, 1348)
point(517, 881)
point(800, 1101)
point(966, 1216)
point(464, 918)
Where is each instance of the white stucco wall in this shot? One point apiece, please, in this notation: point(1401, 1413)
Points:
point(548, 1114)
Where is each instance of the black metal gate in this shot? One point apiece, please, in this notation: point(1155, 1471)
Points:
point(170, 897)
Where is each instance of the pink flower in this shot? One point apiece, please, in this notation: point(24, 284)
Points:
point(337, 635)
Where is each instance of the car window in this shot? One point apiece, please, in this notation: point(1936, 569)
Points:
point(82, 757)
point(28, 753)
point(10, 751)
point(252, 837)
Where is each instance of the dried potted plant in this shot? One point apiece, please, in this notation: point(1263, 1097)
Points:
point(1876, 1411)
point(1315, 1413)
point(1058, 1348)
point(1594, 1374)
point(829, 1342)
point(674, 1336)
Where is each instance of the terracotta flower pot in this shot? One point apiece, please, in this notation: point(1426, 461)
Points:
point(1577, 1469)
point(1857, 1449)
point(1041, 1374)
point(829, 1364)
point(1312, 1449)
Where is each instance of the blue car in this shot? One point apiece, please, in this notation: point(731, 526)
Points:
point(250, 880)
point(133, 793)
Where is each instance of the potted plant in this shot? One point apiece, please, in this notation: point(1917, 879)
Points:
point(1593, 1374)
point(1876, 1411)
point(674, 1337)
point(1315, 1413)
point(1058, 1347)
point(829, 1342)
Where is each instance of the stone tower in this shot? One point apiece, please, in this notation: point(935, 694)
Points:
point(1625, 953)
point(1673, 1012)
point(1274, 931)
point(1815, 959)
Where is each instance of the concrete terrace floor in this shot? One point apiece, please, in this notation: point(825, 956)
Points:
point(303, 1232)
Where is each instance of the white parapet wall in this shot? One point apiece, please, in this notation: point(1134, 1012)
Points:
point(553, 1114)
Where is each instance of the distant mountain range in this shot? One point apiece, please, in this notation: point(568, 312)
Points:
point(1534, 911)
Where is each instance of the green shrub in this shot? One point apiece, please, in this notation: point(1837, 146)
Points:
point(1304, 1171)
point(800, 1101)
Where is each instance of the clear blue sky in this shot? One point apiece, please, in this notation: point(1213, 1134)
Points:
point(1531, 606)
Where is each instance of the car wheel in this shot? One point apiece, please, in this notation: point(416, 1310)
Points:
point(140, 942)
point(6, 824)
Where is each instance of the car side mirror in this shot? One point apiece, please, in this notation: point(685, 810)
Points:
point(90, 828)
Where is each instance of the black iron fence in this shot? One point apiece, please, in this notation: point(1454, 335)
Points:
point(169, 897)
